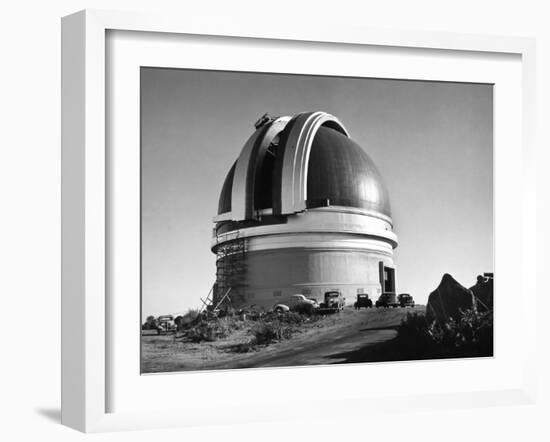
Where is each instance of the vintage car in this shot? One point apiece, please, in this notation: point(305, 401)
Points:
point(333, 302)
point(387, 300)
point(363, 300)
point(293, 302)
point(166, 324)
point(405, 300)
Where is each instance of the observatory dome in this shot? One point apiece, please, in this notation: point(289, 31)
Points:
point(338, 173)
point(303, 209)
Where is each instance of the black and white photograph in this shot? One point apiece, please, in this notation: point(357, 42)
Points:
point(255, 221)
point(300, 220)
point(261, 221)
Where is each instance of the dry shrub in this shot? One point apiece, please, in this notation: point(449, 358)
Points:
point(304, 308)
point(268, 332)
point(293, 318)
point(213, 330)
point(188, 319)
point(265, 333)
point(273, 326)
point(267, 328)
point(469, 336)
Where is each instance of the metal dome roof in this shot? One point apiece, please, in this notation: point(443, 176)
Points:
point(290, 164)
point(341, 172)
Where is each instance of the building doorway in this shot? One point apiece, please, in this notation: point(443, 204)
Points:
point(387, 278)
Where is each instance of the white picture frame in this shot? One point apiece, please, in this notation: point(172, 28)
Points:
point(86, 352)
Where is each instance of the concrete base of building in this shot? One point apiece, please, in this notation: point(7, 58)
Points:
point(270, 277)
point(311, 253)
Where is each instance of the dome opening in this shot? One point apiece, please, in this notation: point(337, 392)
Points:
point(335, 126)
point(264, 183)
point(224, 203)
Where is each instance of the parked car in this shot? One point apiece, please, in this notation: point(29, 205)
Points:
point(387, 300)
point(281, 308)
point(299, 299)
point(333, 302)
point(363, 300)
point(293, 302)
point(166, 324)
point(314, 302)
point(405, 300)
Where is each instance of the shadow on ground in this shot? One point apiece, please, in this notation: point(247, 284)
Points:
point(51, 414)
point(381, 352)
point(379, 328)
point(392, 351)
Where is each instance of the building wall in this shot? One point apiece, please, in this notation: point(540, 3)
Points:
point(271, 276)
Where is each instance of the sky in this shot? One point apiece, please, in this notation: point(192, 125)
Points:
point(431, 141)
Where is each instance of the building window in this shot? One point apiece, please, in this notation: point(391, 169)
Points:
point(360, 291)
point(277, 293)
point(251, 295)
point(306, 292)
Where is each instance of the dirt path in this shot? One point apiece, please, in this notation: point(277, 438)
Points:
point(325, 351)
point(345, 337)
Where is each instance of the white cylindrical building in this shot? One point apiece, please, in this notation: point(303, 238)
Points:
point(302, 210)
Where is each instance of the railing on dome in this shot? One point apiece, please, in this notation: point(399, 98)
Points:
point(231, 268)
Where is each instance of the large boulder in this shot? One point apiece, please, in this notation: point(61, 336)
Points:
point(447, 300)
point(483, 294)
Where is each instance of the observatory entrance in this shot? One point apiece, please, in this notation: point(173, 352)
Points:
point(387, 278)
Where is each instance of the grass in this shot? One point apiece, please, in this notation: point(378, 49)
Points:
point(319, 335)
point(263, 330)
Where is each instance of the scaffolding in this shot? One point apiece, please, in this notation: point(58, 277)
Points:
point(210, 305)
point(231, 270)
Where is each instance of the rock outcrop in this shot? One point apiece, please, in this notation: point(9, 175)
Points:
point(483, 294)
point(447, 300)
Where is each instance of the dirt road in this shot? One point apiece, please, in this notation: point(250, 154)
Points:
point(345, 337)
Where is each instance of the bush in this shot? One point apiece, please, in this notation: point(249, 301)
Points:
point(268, 332)
point(265, 333)
point(294, 318)
point(268, 327)
point(150, 323)
point(469, 336)
point(304, 308)
point(226, 311)
point(211, 330)
point(187, 319)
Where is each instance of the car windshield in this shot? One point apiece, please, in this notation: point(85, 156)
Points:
point(333, 294)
